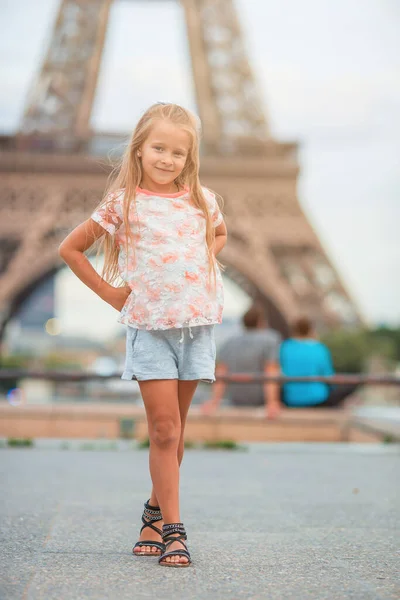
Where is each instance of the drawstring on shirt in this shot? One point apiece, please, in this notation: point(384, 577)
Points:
point(183, 335)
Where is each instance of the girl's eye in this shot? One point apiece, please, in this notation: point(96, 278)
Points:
point(158, 147)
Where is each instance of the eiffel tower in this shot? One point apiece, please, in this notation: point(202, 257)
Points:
point(50, 181)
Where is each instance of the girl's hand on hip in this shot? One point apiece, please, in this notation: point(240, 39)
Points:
point(117, 296)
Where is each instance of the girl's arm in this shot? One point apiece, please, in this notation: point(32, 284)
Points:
point(221, 235)
point(271, 391)
point(218, 389)
point(72, 251)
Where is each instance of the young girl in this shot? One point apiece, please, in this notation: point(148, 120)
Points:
point(162, 232)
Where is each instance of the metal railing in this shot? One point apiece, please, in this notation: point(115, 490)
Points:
point(338, 379)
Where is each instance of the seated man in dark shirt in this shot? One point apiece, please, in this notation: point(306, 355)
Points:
point(256, 350)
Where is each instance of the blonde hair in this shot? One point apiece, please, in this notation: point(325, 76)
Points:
point(128, 174)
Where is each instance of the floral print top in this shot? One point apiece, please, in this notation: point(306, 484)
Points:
point(167, 266)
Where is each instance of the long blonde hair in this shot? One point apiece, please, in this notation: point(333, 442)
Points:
point(128, 174)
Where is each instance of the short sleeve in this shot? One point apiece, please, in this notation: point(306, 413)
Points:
point(272, 346)
point(109, 214)
point(216, 214)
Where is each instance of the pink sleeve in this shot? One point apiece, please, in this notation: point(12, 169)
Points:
point(217, 217)
point(215, 211)
point(109, 215)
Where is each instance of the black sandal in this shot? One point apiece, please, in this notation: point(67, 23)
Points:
point(151, 514)
point(169, 537)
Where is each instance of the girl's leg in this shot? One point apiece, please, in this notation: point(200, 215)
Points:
point(186, 390)
point(160, 399)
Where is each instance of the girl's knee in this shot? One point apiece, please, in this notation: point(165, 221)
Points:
point(165, 432)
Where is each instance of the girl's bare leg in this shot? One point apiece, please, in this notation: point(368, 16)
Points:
point(186, 390)
point(160, 398)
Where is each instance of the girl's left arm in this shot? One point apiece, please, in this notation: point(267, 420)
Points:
point(221, 235)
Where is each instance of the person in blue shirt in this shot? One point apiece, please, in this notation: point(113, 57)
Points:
point(303, 355)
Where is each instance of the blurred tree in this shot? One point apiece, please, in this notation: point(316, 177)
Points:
point(351, 349)
point(388, 333)
point(58, 361)
point(12, 361)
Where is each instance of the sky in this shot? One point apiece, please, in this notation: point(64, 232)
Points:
point(329, 78)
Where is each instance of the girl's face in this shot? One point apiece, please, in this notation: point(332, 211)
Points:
point(163, 156)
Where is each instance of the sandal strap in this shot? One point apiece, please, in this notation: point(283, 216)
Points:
point(175, 553)
point(152, 513)
point(150, 525)
point(178, 552)
point(158, 545)
point(170, 528)
point(148, 505)
point(174, 538)
point(169, 536)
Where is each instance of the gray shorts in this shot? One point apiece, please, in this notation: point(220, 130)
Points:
point(187, 353)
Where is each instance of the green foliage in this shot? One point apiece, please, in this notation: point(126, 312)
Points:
point(212, 445)
point(388, 334)
point(351, 349)
point(20, 442)
point(189, 445)
point(144, 444)
point(222, 445)
point(53, 360)
point(57, 362)
point(13, 361)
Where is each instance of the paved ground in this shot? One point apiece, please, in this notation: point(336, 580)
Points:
point(278, 522)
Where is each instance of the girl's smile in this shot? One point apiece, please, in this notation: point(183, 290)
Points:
point(163, 156)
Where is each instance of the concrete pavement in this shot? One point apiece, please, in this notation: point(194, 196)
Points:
point(285, 521)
